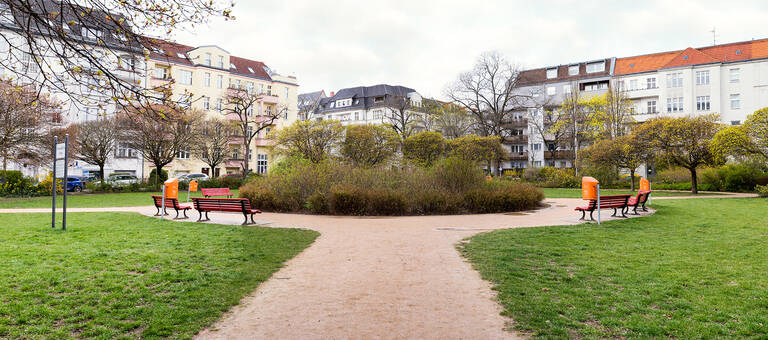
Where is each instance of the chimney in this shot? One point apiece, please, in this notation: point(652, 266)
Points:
point(332, 94)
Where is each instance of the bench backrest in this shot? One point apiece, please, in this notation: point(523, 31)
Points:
point(614, 200)
point(216, 192)
point(221, 204)
point(642, 196)
point(169, 202)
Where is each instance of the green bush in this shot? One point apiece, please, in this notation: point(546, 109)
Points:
point(336, 188)
point(155, 180)
point(741, 177)
point(674, 175)
point(762, 190)
point(458, 175)
point(685, 186)
point(15, 184)
point(232, 182)
point(551, 177)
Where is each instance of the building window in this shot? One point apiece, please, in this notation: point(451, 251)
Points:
point(551, 90)
point(208, 59)
point(182, 154)
point(536, 147)
point(379, 99)
point(633, 84)
point(28, 64)
point(596, 67)
point(377, 114)
point(185, 77)
point(537, 163)
point(219, 81)
point(269, 90)
point(126, 63)
point(261, 88)
point(735, 101)
point(221, 61)
point(702, 103)
point(573, 70)
point(566, 89)
point(674, 104)
point(249, 87)
point(551, 73)
point(123, 151)
point(286, 92)
point(261, 163)
point(161, 73)
point(219, 105)
point(702, 77)
point(651, 83)
point(675, 79)
point(268, 111)
point(357, 117)
point(91, 33)
point(735, 74)
point(206, 105)
point(735, 122)
point(652, 106)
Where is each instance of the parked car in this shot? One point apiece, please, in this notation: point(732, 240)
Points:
point(122, 180)
point(75, 184)
point(196, 177)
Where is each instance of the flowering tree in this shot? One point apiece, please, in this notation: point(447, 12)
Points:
point(749, 139)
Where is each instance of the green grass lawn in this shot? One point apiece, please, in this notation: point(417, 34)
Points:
point(128, 276)
point(576, 193)
point(694, 269)
point(85, 200)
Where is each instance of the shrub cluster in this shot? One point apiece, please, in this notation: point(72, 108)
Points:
point(737, 177)
point(762, 190)
point(551, 177)
point(15, 184)
point(451, 186)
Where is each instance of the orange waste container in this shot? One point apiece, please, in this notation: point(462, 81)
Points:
point(193, 186)
point(172, 188)
point(589, 188)
point(645, 184)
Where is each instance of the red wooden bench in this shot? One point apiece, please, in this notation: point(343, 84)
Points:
point(210, 192)
point(170, 203)
point(617, 202)
point(241, 205)
point(639, 200)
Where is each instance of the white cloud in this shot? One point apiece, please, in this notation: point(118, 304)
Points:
point(426, 44)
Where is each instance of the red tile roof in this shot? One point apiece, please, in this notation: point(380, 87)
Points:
point(690, 56)
point(177, 53)
point(744, 50)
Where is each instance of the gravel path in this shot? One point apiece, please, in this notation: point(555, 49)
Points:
point(393, 278)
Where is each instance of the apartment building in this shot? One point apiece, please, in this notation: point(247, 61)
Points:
point(82, 99)
point(366, 104)
point(201, 77)
point(528, 142)
point(309, 104)
point(728, 79)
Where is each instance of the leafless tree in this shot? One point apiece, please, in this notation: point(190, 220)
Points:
point(618, 112)
point(450, 119)
point(24, 121)
point(402, 115)
point(77, 47)
point(244, 108)
point(212, 145)
point(160, 132)
point(96, 141)
point(491, 93)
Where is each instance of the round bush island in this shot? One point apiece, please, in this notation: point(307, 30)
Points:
point(451, 186)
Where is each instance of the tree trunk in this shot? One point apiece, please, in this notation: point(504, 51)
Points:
point(632, 178)
point(694, 182)
point(245, 154)
point(101, 172)
point(5, 159)
point(158, 170)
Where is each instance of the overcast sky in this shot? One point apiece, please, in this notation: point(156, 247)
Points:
point(424, 45)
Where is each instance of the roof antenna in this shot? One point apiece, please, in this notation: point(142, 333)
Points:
point(714, 36)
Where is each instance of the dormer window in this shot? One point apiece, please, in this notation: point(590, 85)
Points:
point(573, 70)
point(232, 66)
point(552, 73)
point(596, 67)
point(91, 34)
point(181, 55)
point(208, 59)
point(221, 61)
point(251, 70)
point(379, 99)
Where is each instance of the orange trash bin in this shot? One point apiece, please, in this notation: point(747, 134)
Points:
point(589, 188)
point(645, 184)
point(171, 188)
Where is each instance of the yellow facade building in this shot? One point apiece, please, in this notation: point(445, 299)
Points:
point(201, 77)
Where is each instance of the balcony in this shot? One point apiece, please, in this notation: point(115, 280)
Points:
point(268, 98)
point(518, 123)
point(516, 139)
point(519, 156)
point(560, 154)
point(159, 82)
point(233, 162)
